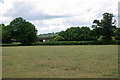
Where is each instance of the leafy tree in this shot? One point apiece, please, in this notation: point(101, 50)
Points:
point(6, 34)
point(95, 33)
point(107, 25)
point(76, 34)
point(85, 31)
point(58, 38)
point(117, 33)
point(73, 33)
point(23, 31)
point(63, 34)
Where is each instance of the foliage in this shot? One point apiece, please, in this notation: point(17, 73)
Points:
point(106, 25)
point(117, 34)
point(117, 42)
point(96, 33)
point(12, 44)
point(23, 31)
point(20, 30)
point(58, 38)
point(76, 34)
point(6, 34)
point(47, 35)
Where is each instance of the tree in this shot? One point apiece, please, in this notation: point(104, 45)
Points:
point(85, 34)
point(6, 34)
point(73, 33)
point(95, 33)
point(58, 38)
point(76, 34)
point(23, 31)
point(107, 25)
point(64, 35)
point(117, 33)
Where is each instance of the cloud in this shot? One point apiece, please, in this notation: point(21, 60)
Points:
point(57, 15)
point(28, 11)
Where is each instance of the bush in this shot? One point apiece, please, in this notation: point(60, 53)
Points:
point(58, 38)
point(12, 44)
point(78, 43)
point(117, 42)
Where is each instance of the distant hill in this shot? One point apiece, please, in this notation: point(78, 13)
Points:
point(47, 35)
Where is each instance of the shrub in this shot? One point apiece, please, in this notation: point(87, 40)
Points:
point(79, 43)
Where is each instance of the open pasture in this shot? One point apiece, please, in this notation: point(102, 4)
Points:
point(83, 61)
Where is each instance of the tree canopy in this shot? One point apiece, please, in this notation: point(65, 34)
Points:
point(20, 30)
point(6, 34)
point(107, 25)
point(104, 27)
point(77, 34)
point(117, 33)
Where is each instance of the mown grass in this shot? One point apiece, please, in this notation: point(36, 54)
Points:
point(85, 61)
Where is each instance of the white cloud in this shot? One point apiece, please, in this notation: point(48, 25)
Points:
point(56, 15)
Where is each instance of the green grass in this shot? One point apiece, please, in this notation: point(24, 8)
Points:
point(84, 61)
point(12, 44)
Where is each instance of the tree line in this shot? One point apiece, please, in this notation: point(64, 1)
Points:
point(20, 30)
point(104, 29)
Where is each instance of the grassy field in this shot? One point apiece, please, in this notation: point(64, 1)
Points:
point(84, 61)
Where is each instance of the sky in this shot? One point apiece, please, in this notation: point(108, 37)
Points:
point(56, 15)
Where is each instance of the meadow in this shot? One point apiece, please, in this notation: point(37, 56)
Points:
point(81, 61)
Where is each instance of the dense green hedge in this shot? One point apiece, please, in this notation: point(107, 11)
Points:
point(68, 43)
point(78, 43)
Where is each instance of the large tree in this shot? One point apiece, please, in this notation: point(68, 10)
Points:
point(117, 33)
point(23, 31)
point(96, 33)
point(6, 34)
point(107, 25)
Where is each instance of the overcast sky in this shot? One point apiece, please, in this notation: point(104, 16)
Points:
point(56, 15)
